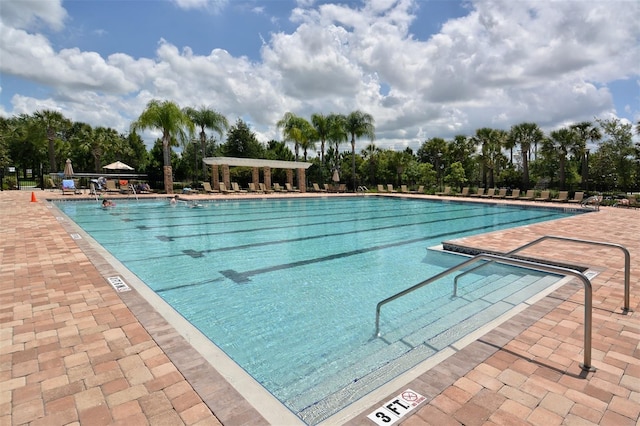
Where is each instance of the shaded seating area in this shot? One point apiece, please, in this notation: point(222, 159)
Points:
point(261, 172)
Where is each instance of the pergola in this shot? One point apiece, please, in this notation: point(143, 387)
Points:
point(256, 164)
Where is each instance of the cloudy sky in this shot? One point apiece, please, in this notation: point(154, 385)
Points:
point(422, 68)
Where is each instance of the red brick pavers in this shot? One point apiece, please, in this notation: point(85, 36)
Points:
point(72, 350)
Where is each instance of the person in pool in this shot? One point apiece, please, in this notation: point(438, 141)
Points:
point(108, 203)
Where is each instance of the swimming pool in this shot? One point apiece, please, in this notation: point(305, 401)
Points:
point(288, 287)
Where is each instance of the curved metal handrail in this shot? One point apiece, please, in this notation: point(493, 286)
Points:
point(627, 262)
point(586, 365)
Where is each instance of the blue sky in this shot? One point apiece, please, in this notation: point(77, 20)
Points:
point(422, 68)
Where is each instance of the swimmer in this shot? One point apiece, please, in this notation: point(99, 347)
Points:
point(108, 203)
point(174, 200)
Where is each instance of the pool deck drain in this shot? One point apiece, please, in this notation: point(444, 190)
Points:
point(71, 349)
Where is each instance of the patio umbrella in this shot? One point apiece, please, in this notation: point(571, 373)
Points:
point(68, 169)
point(118, 165)
point(336, 176)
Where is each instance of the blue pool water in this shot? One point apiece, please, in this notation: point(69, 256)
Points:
point(288, 287)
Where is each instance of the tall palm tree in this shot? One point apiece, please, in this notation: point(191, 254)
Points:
point(322, 124)
point(526, 135)
point(167, 117)
point(299, 131)
point(359, 124)
point(585, 131)
point(54, 123)
point(561, 142)
point(206, 118)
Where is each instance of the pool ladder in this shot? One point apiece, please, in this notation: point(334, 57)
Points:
point(588, 304)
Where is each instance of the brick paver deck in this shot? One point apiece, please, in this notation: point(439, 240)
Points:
point(73, 351)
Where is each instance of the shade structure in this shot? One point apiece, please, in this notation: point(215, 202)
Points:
point(336, 176)
point(118, 165)
point(68, 169)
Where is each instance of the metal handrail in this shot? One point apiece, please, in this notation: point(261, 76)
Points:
point(627, 262)
point(586, 365)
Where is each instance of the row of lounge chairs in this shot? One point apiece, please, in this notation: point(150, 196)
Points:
point(403, 189)
point(260, 188)
point(530, 195)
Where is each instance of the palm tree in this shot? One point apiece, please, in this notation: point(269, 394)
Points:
point(54, 123)
point(370, 153)
point(561, 142)
point(322, 124)
point(526, 135)
point(167, 117)
point(299, 131)
point(206, 118)
point(585, 131)
point(358, 124)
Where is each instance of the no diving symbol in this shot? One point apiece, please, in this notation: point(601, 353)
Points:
point(409, 396)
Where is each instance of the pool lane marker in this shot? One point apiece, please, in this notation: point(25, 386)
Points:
point(118, 284)
point(396, 408)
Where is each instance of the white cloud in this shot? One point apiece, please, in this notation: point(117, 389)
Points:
point(33, 14)
point(214, 6)
point(503, 63)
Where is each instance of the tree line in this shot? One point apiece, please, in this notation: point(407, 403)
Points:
point(591, 156)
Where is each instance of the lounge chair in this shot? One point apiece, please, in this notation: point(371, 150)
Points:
point(390, 188)
point(110, 186)
point(381, 188)
point(544, 196)
point(447, 191)
point(479, 193)
point(291, 188)
point(264, 188)
point(224, 189)
point(278, 188)
point(327, 187)
point(236, 188)
point(68, 185)
point(317, 188)
point(577, 197)
point(562, 197)
point(253, 188)
point(490, 193)
point(528, 196)
point(502, 193)
point(420, 190)
point(514, 194)
point(404, 189)
point(465, 192)
point(208, 189)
